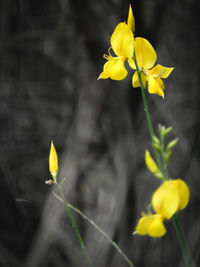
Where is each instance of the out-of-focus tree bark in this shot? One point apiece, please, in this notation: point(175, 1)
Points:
point(51, 55)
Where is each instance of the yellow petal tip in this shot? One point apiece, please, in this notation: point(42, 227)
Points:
point(53, 161)
point(131, 19)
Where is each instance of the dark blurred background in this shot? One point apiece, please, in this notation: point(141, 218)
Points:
point(51, 53)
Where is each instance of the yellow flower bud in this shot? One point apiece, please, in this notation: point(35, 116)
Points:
point(152, 166)
point(131, 19)
point(53, 161)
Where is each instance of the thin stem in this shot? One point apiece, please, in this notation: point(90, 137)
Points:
point(163, 168)
point(181, 239)
point(100, 230)
point(78, 235)
point(146, 110)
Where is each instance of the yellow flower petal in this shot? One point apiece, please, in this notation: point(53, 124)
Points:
point(122, 41)
point(161, 71)
point(142, 227)
point(135, 80)
point(157, 228)
point(145, 53)
point(151, 224)
point(165, 199)
point(151, 165)
point(155, 86)
point(132, 63)
point(184, 193)
point(118, 71)
point(114, 69)
point(160, 82)
point(106, 73)
point(53, 161)
point(131, 19)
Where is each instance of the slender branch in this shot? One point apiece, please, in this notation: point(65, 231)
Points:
point(78, 235)
point(181, 239)
point(114, 244)
point(146, 110)
point(163, 168)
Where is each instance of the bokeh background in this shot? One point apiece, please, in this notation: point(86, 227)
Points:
point(50, 59)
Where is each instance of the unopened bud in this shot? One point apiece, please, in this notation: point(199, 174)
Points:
point(53, 161)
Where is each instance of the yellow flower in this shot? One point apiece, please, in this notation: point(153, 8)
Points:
point(122, 44)
point(131, 19)
point(151, 165)
point(170, 197)
point(146, 58)
point(53, 161)
point(151, 224)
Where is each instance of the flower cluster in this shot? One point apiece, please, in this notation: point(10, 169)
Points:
point(140, 55)
point(169, 198)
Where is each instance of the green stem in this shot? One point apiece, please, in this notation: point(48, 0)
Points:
point(100, 230)
point(184, 248)
point(78, 235)
point(163, 168)
point(146, 110)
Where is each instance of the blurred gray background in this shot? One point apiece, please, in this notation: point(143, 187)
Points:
point(51, 53)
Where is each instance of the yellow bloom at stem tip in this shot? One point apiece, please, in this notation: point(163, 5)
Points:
point(122, 41)
point(122, 44)
point(53, 161)
point(146, 58)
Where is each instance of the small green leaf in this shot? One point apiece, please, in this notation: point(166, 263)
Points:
point(167, 131)
point(172, 144)
point(156, 147)
point(156, 140)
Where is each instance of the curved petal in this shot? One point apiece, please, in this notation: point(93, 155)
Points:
point(114, 69)
point(145, 53)
point(151, 224)
point(136, 81)
point(155, 86)
point(160, 82)
point(165, 200)
point(118, 71)
point(142, 227)
point(161, 71)
point(131, 19)
point(106, 70)
point(157, 228)
point(122, 41)
point(184, 193)
point(131, 63)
